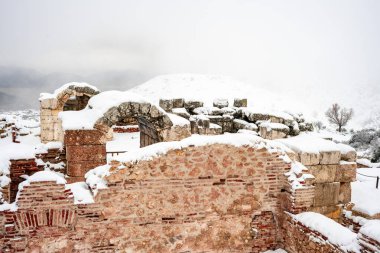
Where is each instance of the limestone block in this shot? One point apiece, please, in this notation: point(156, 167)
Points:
point(344, 193)
point(308, 158)
point(323, 173)
point(166, 104)
point(192, 104)
point(240, 102)
point(176, 133)
point(329, 157)
point(220, 102)
point(271, 134)
point(346, 172)
point(349, 156)
point(45, 112)
point(333, 211)
point(326, 194)
point(178, 103)
point(50, 103)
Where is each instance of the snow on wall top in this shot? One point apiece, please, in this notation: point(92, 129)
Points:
point(55, 94)
point(305, 143)
point(335, 233)
point(178, 121)
point(96, 107)
point(95, 178)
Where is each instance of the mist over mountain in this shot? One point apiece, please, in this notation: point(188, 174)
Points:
point(20, 87)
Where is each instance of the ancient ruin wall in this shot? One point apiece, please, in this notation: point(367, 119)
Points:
point(197, 199)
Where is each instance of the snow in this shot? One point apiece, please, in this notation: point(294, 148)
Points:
point(95, 178)
point(345, 149)
point(297, 175)
point(208, 110)
point(8, 207)
point(364, 194)
point(305, 143)
point(96, 107)
point(44, 147)
point(123, 142)
point(44, 96)
point(81, 192)
point(335, 233)
point(162, 148)
point(275, 126)
point(44, 176)
point(206, 88)
point(367, 163)
point(371, 229)
point(180, 110)
point(178, 121)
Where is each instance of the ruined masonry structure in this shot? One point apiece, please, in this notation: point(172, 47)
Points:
point(220, 178)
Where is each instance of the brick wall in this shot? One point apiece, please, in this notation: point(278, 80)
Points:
point(85, 149)
point(197, 199)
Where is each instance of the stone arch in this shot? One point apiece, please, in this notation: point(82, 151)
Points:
point(152, 121)
point(52, 104)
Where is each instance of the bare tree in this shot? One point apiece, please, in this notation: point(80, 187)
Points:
point(339, 116)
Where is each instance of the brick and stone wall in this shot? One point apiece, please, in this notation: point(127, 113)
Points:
point(197, 199)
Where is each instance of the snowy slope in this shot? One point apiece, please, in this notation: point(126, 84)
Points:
point(209, 87)
point(311, 102)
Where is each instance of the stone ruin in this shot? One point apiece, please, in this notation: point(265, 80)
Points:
point(206, 179)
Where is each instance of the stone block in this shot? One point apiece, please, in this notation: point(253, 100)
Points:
point(330, 157)
point(271, 134)
point(344, 193)
point(86, 153)
point(192, 104)
point(333, 212)
point(326, 194)
point(220, 102)
point(84, 137)
point(308, 158)
point(50, 103)
point(346, 172)
point(178, 103)
point(323, 173)
point(166, 104)
point(240, 102)
point(349, 156)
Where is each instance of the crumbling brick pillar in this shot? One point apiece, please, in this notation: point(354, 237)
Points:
point(17, 169)
point(85, 150)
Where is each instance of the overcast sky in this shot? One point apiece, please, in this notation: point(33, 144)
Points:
point(283, 44)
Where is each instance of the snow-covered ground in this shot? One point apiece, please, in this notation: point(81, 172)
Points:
point(365, 196)
point(123, 142)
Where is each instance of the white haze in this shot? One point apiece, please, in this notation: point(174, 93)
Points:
point(318, 51)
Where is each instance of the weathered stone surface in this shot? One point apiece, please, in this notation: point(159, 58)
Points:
point(333, 212)
point(192, 104)
point(346, 172)
point(308, 158)
point(344, 193)
point(349, 156)
point(323, 173)
point(220, 102)
point(242, 124)
point(240, 102)
point(166, 104)
point(178, 102)
point(330, 157)
point(326, 194)
point(181, 112)
point(271, 133)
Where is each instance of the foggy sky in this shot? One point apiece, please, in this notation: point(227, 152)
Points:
point(305, 47)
